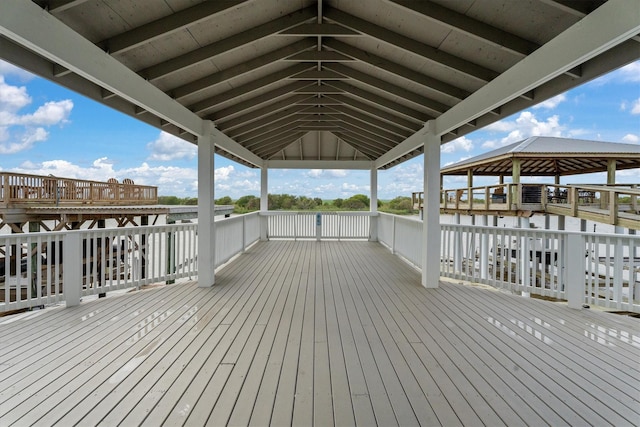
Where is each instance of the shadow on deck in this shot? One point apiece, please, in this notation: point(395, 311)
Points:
point(319, 333)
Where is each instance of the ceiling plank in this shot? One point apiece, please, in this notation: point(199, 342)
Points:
point(384, 115)
point(392, 89)
point(233, 122)
point(365, 145)
point(240, 69)
point(397, 69)
point(292, 125)
point(265, 120)
point(161, 27)
point(258, 100)
point(205, 53)
point(371, 120)
point(437, 57)
point(202, 107)
point(470, 26)
point(367, 127)
point(265, 129)
point(419, 116)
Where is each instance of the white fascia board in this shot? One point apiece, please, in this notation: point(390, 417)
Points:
point(406, 146)
point(28, 25)
point(609, 25)
point(604, 28)
point(320, 164)
point(226, 143)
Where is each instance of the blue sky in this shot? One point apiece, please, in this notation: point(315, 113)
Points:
point(46, 129)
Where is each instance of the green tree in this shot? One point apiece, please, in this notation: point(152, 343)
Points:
point(226, 200)
point(338, 203)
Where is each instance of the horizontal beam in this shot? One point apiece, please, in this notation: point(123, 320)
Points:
point(319, 164)
point(320, 30)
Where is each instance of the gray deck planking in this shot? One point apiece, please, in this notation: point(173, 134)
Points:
point(329, 333)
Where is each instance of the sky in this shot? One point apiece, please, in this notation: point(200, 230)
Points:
point(47, 129)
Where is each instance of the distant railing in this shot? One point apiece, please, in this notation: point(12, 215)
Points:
point(583, 268)
point(20, 190)
point(97, 261)
point(318, 225)
point(609, 204)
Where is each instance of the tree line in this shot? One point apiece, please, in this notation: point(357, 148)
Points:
point(250, 203)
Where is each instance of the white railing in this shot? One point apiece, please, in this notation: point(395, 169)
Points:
point(583, 268)
point(403, 236)
point(44, 268)
point(318, 225)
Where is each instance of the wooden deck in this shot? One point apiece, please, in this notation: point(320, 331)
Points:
point(319, 333)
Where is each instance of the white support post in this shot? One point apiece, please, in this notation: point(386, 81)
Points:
point(206, 225)
point(72, 273)
point(484, 250)
point(264, 202)
point(457, 246)
point(431, 221)
point(525, 253)
point(575, 289)
point(373, 206)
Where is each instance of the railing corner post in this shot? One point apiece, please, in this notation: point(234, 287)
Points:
point(72, 274)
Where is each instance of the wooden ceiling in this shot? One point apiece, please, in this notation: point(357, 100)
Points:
point(287, 80)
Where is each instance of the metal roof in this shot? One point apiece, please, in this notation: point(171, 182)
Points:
point(550, 156)
point(352, 83)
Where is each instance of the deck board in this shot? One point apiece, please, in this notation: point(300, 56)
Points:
point(319, 333)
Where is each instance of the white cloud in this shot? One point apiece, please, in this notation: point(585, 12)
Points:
point(631, 72)
point(169, 147)
point(459, 144)
point(328, 173)
point(551, 103)
point(524, 126)
point(7, 69)
point(24, 142)
point(223, 173)
point(20, 132)
point(12, 98)
point(635, 108)
point(631, 138)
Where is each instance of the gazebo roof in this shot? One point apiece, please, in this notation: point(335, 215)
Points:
point(550, 156)
point(293, 83)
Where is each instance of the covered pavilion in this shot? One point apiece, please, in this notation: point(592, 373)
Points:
point(319, 83)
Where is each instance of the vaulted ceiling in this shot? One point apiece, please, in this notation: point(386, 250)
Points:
point(330, 80)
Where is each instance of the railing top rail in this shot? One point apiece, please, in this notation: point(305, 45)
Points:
point(76, 180)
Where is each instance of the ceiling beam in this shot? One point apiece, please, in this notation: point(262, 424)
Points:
point(472, 27)
point(411, 113)
point(205, 53)
point(243, 68)
point(323, 30)
point(438, 57)
point(271, 147)
point(165, 26)
point(274, 125)
point(319, 90)
point(319, 164)
point(319, 56)
point(264, 120)
point(57, 6)
point(370, 120)
point(366, 127)
point(413, 76)
point(258, 100)
point(244, 119)
point(380, 113)
point(379, 84)
point(202, 107)
point(319, 75)
point(366, 146)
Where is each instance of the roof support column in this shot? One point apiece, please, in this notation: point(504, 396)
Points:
point(264, 200)
point(373, 205)
point(515, 178)
point(206, 214)
point(431, 209)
